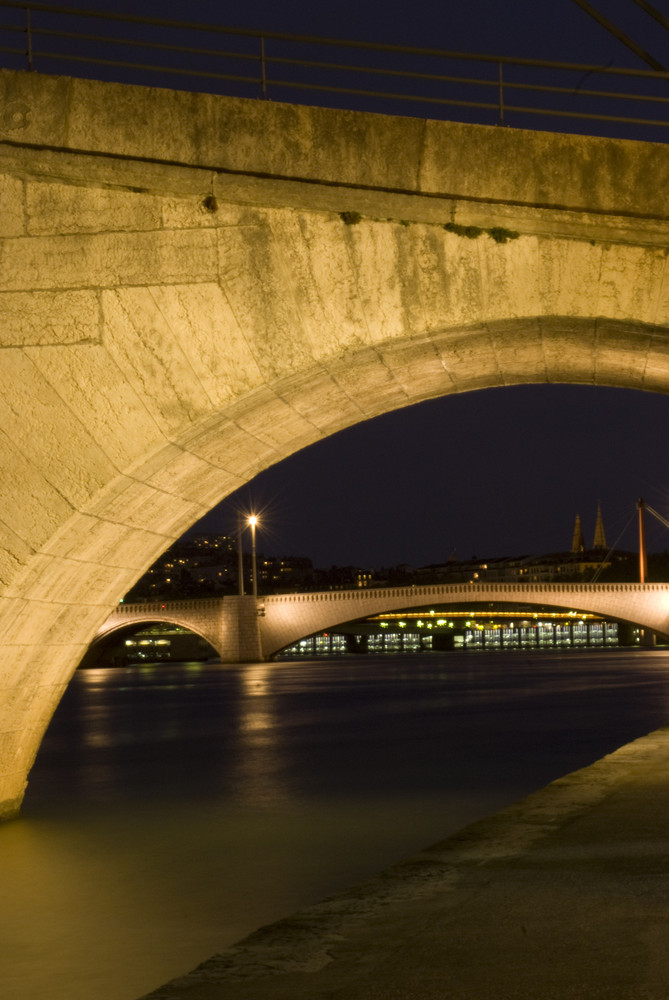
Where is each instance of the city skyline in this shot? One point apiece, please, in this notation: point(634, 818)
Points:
point(396, 490)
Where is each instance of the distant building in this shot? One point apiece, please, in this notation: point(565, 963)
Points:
point(576, 565)
point(599, 541)
point(203, 566)
point(207, 565)
point(287, 573)
point(343, 578)
point(577, 543)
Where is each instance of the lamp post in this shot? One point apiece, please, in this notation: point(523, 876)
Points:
point(643, 562)
point(253, 520)
point(240, 557)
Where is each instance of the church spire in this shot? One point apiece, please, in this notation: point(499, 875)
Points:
point(577, 544)
point(600, 538)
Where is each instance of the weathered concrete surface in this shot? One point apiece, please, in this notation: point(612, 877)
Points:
point(193, 287)
point(563, 896)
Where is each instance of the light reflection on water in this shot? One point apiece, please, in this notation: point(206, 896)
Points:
point(174, 809)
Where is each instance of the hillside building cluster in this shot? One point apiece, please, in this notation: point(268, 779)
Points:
point(208, 566)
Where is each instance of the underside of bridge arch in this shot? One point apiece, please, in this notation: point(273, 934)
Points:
point(290, 625)
point(187, 302)
point(106, 649)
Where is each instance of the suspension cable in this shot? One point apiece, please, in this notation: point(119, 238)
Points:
point(659, 517)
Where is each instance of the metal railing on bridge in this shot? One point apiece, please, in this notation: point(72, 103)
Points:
point(436, 83)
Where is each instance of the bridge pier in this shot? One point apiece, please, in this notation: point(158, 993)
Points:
point(648, 638)
point(249, 648)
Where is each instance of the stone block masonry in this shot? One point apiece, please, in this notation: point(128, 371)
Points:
point(193, 287)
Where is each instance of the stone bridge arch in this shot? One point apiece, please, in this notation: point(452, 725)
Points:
point(228, 624)
point(194, 287)
point(291, 617)
point(203, 617)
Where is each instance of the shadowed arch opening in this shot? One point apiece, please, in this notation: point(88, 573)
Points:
point(159, 641)
point(478, 625)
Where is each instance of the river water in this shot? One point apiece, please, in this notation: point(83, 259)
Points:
point(175, 808)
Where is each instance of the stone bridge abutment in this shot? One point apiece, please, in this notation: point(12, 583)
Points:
point(193, 287)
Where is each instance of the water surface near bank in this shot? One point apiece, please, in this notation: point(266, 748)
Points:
point(174, 809)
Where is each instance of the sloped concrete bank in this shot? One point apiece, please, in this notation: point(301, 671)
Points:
point(563, 895)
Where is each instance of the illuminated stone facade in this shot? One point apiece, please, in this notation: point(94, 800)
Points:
point(193, 287)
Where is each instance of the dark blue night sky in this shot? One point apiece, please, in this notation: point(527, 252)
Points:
point(498, 472)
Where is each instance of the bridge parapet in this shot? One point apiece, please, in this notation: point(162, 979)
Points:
point(467, 589)
point(149, 607)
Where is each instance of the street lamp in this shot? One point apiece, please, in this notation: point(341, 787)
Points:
point(240, 556)
point(252, 522)
point(643, 563)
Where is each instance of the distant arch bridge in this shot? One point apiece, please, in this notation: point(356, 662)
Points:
point(241, 631)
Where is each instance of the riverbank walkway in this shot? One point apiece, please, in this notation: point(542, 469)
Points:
point(562, 896)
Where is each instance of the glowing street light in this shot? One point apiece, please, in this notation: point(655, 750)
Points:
point(252, 522)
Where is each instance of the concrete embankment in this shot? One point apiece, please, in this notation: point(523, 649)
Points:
point(563, 895)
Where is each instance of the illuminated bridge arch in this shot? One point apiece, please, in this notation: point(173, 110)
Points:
point(202, 617)
point(189, 300)
point(228, 624)
point(289, 618)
